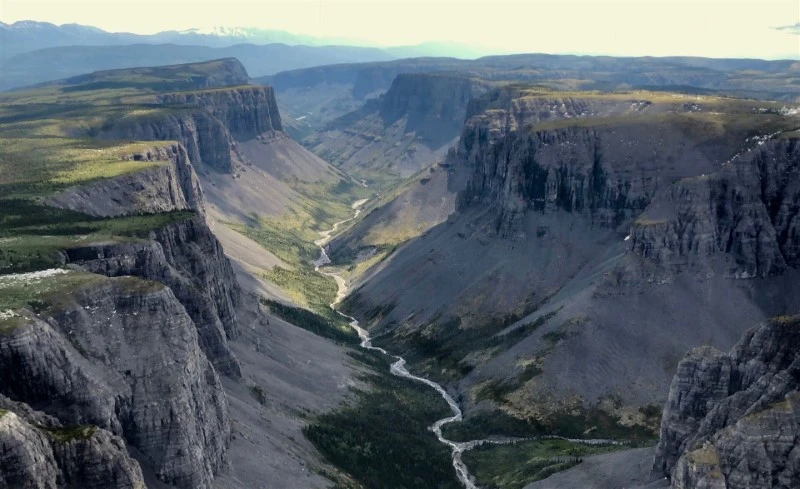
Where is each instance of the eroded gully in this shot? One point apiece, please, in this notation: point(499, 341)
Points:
point(399, 366)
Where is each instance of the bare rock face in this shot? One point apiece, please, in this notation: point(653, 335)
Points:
point(185, 256)
point(207, 123)
point(744, 215)
point(599, 173)
point(407, 129)
point(433, 103)
point(246, 111)
point(206, 139)
point(733, 420)
point(36, 457)
point(91, 359)
point(37, 452)
point(170, 184)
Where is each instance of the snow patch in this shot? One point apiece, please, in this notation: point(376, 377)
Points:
point(31, 276)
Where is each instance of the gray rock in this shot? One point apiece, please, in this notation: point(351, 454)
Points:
point(733, 421)
point(122, 354)
point(37, 452)
point(744, 215)
point(245, 111)
point(185, 256)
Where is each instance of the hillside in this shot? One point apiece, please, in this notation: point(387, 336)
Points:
point(595, 229)
point(128, 345)
point(407, 129)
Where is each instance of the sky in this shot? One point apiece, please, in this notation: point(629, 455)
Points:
point(716, 28)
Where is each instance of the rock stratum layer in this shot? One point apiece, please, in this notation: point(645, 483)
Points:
point(732, 421)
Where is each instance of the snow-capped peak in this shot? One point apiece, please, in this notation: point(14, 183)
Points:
point(219, 31)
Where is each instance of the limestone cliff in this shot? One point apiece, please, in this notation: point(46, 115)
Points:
point(733, 420)
point(89, 358)
point(540, 272)
point(37, 451)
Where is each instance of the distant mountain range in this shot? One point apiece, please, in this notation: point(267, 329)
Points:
point(28, 35)
point(33, 52)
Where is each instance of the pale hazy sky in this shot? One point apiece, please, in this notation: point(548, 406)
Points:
point(719, 28)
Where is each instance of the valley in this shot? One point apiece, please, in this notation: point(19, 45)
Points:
point(415, 273)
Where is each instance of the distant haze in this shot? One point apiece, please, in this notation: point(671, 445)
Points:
point(717, 28)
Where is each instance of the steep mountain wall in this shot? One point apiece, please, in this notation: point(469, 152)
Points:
point(731, 420)
point(39, 452)
point(746, 215)
point(186, 257)
point(89, 358)
point(407, 129)
point(246, 111)
point(207, 123)
point(552, 290)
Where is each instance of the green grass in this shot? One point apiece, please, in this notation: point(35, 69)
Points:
point(16, 291)
point(38, 166)
point(113, 85)
point(515, 466)
point(293, 242)
point(32, 235)
point(382, 440)
point(71, 433)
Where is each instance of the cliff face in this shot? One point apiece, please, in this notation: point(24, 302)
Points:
point(88, 358)
point(543, 262)
point(408, 128)
point(187, 258)
point(246, 111)
point(169, 185)
point(37, 451)
point(744, 215)
point(207, 123)
point(731, 420)
point(608, 175)
point(432, 103)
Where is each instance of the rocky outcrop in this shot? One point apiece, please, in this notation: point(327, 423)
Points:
point(607, 156)
point(207, 123)
point(433, 103)
point(247, 112)
point(745, 215)
point(607, 174)
point(206, 139)
point(167, 183)
point(187, 257)
point(38, 452)
point(733, 420)
point(90, 359)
